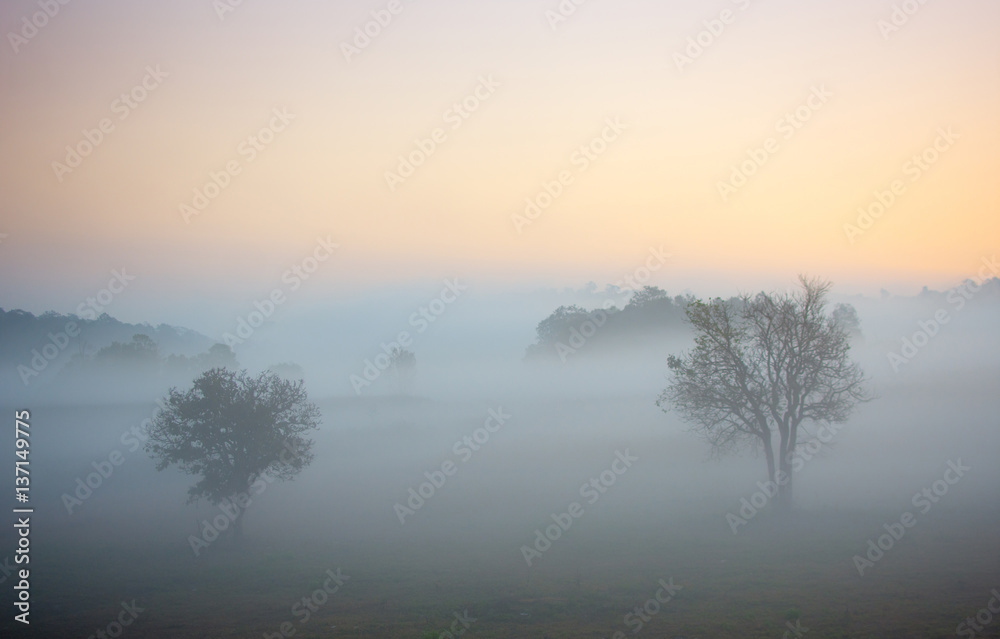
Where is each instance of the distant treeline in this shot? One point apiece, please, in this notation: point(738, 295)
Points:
point(141, 355)
point(52, 344)
point(21, 331)
point(649, 314)
point(649, 311)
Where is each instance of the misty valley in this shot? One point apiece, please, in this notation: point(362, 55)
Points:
point(560, 502)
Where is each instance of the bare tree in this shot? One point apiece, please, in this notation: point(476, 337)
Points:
point(763, 366)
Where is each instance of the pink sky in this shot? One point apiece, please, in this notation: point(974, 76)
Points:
point(542, 93)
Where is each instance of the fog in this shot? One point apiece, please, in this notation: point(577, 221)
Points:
point(557, 424)
point(522, 319)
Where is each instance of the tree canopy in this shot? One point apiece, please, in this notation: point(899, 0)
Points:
point(404, 367)
point(762, 366)
point(650, 310)
point(231, 428)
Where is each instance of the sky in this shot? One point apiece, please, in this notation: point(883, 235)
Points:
point(302, 120)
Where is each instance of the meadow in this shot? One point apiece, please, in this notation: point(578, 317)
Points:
point(663, 521)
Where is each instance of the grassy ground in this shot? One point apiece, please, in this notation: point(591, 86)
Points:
point(664, 519)
point(748, 585)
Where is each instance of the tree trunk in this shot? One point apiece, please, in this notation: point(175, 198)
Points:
point(784, 499)
point(238, 530)
point(769, 456)
point(784, 476)
point(785, 464)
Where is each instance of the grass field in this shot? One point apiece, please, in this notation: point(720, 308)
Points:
point(748, 585)
point(781, 576)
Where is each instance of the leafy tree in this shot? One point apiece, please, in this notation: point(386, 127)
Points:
point(650, 308)
point(230, 429)
point(218, 356)
point(650, 311)
point(762, 367)
point(554, 327)
point(288, 370)
point(141, 350)
point(404, 367)
point(645, 296)
point(847, 316)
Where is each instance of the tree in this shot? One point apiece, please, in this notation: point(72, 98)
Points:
point(847, 316)
point(645, 296)
point(404, 367)
point(287, 370)
point(141, 350)
point(555, 329)
point(556, 326)
point(218, 356)
point(231, 429)
point(762, 367)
